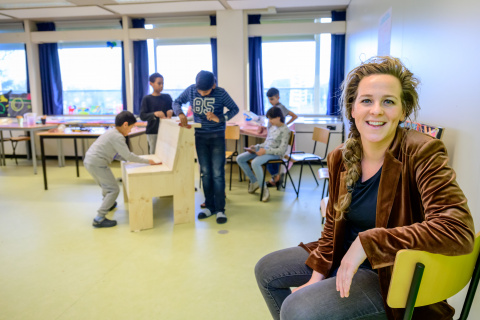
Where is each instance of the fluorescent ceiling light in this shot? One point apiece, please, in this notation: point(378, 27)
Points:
point(11, 4)
point(57, 12)
point(166, 7)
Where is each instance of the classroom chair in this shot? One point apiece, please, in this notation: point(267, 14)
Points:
point(421, 278)
point(285, 163)
point(232, 133)
point(323, 175)
point(319, 135)
point(14, 141)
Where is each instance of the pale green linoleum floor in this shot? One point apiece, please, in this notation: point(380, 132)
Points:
point(55, 265)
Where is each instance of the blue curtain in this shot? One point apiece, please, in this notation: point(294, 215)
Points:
point(255, 69)
point(140, 70)
point(124, 90)
point(50, 75)
point(213, 43)
point(26, 68)
point(337, 67)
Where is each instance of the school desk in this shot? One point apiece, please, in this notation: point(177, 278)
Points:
point(30, 129)
point(71, 133)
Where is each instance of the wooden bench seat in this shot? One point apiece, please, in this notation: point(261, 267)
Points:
point(174, 177)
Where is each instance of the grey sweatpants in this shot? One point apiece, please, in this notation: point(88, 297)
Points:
point(110, 190)
point(152, 142)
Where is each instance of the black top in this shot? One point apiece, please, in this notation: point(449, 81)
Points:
point(150, 104)
point(363, 211)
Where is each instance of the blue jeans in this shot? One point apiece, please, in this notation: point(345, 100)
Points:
point(257, 162)
point(278, 271)
point(211, 156)
point(273, 168)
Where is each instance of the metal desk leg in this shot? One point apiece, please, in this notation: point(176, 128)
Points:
point(61, 156)
point(83, 149)
point(43, 164)
point(2, 156)
point(34, 156)
point(76, 156)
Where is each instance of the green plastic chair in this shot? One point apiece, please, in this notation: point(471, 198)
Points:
point(421, 278)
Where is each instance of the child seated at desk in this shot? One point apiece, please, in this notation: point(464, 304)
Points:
point(274, 98)
point(274, 147)
point(108, 147)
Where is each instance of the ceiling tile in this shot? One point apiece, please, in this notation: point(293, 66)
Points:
point(262, 4)
point(56, 12)
point(167, 7)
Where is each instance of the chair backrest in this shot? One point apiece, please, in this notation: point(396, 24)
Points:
point(321, 135)
point(436, 132)
point(443, 276)
point(291, 142)
point(232, 132)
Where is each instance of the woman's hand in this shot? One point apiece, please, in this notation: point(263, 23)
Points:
point(316, 277)
point(261, 152)
point(349, 266)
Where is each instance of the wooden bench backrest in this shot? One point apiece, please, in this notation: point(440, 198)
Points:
point(167, 142)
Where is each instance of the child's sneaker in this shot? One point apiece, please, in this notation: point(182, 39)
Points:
point(204, 214)
point(105, 223)
point(266, 194)
point(252, 187)
point(221, 217)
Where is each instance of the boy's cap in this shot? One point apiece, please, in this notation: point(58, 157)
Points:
point(205, 80)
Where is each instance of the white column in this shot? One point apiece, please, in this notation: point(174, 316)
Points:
point(128, 59)
point(232, 55)
point(33, 66)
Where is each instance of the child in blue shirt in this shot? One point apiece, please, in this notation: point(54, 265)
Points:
point(154, 107)
point(108, 147)
point(208, 102)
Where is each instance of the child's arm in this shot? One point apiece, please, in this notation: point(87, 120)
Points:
point(231, 106)
point(145, 114)
point(182, 99)
point(293, 117)
point(123, 153)
point(177, 105)
point(169, 108)
point(284, 135)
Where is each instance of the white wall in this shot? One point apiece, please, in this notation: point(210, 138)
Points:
point(438, 41)
point(231, 58)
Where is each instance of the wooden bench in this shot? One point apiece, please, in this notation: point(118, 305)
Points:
point(174, 177)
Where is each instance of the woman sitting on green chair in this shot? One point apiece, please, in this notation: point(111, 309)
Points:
point(390, 189)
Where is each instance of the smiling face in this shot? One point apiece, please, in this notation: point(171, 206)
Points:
point(377, 110)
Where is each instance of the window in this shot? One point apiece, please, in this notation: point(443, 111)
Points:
point(91, 78)
point(292, 67)
point(13, 68)
point(298, 66)
point(179, 65)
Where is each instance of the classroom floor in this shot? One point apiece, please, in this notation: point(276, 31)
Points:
point(55, 265)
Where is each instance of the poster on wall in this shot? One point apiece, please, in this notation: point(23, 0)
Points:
point(19, 104)
point(4, 104)
point(385, 33)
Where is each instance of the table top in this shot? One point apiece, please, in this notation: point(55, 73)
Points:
point(16, 126)
point(86, 132)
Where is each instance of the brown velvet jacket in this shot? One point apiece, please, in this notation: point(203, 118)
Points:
point(419, 206)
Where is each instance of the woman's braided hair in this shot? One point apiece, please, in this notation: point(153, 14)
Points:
point(352, 149)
